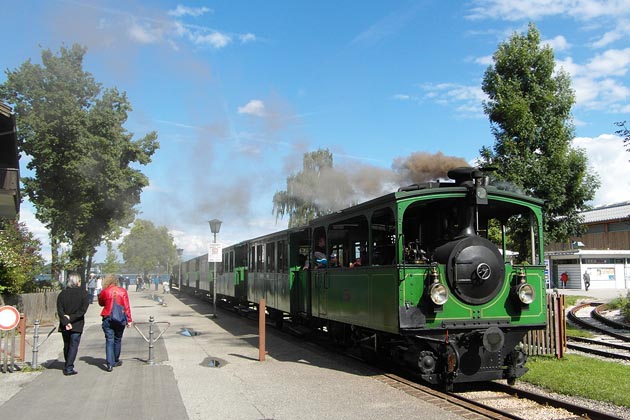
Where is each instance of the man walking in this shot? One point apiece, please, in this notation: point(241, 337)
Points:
point(72, 304)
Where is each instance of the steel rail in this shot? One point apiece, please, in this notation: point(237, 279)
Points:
point(553, 402)
point(581, 322)
point(597, 314)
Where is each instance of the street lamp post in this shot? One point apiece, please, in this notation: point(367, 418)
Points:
point(180, 251)
point(215, 226)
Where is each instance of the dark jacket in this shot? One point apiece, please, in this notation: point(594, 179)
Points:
point(74, 302)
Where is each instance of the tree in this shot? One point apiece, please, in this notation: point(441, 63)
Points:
point(84, 188)
point(147, 248)
point(300, 200)
point(625, 133)
point(20, 258)
point(111, 264)
point(529, 107)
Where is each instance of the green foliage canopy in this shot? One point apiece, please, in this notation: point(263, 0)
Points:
point(20, 258)
point(148, 248)
point(85, 186)
point(299, 200)
point(529, 107)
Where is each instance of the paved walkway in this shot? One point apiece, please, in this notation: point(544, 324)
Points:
point(297, 380)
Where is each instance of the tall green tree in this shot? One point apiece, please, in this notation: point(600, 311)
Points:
point(148, 248)
point(111, 264)
point(20, 258)
point(529, 107)
point(84, 187)
point(299, 201)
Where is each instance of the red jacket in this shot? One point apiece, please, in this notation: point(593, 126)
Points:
point(106, 299)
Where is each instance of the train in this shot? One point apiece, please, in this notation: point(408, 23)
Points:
point(426, 276)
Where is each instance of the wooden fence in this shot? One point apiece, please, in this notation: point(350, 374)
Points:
point(553, 339)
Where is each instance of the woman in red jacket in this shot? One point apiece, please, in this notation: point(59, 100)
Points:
point(113, 331)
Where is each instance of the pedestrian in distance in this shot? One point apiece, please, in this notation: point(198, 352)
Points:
point(91, 286)
point(72, 304)
point(564, 278)
point(587, 280)
point(99, 285)
point(113, 331)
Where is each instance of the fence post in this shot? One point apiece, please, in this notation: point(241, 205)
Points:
point(35, 343)
point(22, 329)
point(261, 329)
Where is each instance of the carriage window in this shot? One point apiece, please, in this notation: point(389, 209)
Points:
point(347, 240)
point(282, 260)
point(270, 257)
point(259, 259)
point(240, 256)
point(319, 256)
point(383, 237)
point(252, 258)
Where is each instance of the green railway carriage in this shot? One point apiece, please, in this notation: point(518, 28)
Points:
point(427, 275)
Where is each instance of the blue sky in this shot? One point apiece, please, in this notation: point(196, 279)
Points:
point(238, 91)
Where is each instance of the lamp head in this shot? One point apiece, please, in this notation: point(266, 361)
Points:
point(215, 225)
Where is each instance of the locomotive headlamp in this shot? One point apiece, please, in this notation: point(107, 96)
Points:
point(438, 293)
point(525, 293)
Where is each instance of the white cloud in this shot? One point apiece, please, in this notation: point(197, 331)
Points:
point(609, 63)
point(27, 216)
point(537, 9)
point(245, 38)
point(189, 11)
point(559, 43)
point(143, 35)
point(466, 100)
point(608, 158)
point(214, 39)
point(597, 84)
point(486, 60)
point(254, 107)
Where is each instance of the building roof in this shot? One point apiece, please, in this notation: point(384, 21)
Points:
point(589, 253)
point(612, 212)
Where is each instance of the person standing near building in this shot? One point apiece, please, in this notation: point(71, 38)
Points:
point(72, 304)
point(564, 278)
point(587, 280)
point(113, 331)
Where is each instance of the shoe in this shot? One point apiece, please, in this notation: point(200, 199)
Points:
point(110, 368)
point(70, 373)
point(118, 363)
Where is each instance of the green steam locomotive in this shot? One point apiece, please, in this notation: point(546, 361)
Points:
point(444, 277)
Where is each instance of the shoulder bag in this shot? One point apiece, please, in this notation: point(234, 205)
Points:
point(117, 315)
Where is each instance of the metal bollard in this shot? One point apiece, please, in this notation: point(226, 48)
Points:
point(35, 343)
point(151, 345)
point(151, 340)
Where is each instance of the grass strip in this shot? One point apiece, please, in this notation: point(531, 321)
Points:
point(581, 376)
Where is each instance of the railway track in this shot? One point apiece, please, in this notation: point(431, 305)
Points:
point(595, 321)
point(610, 350)
point(495, 401)
point(613, 338)
point(491, 400)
